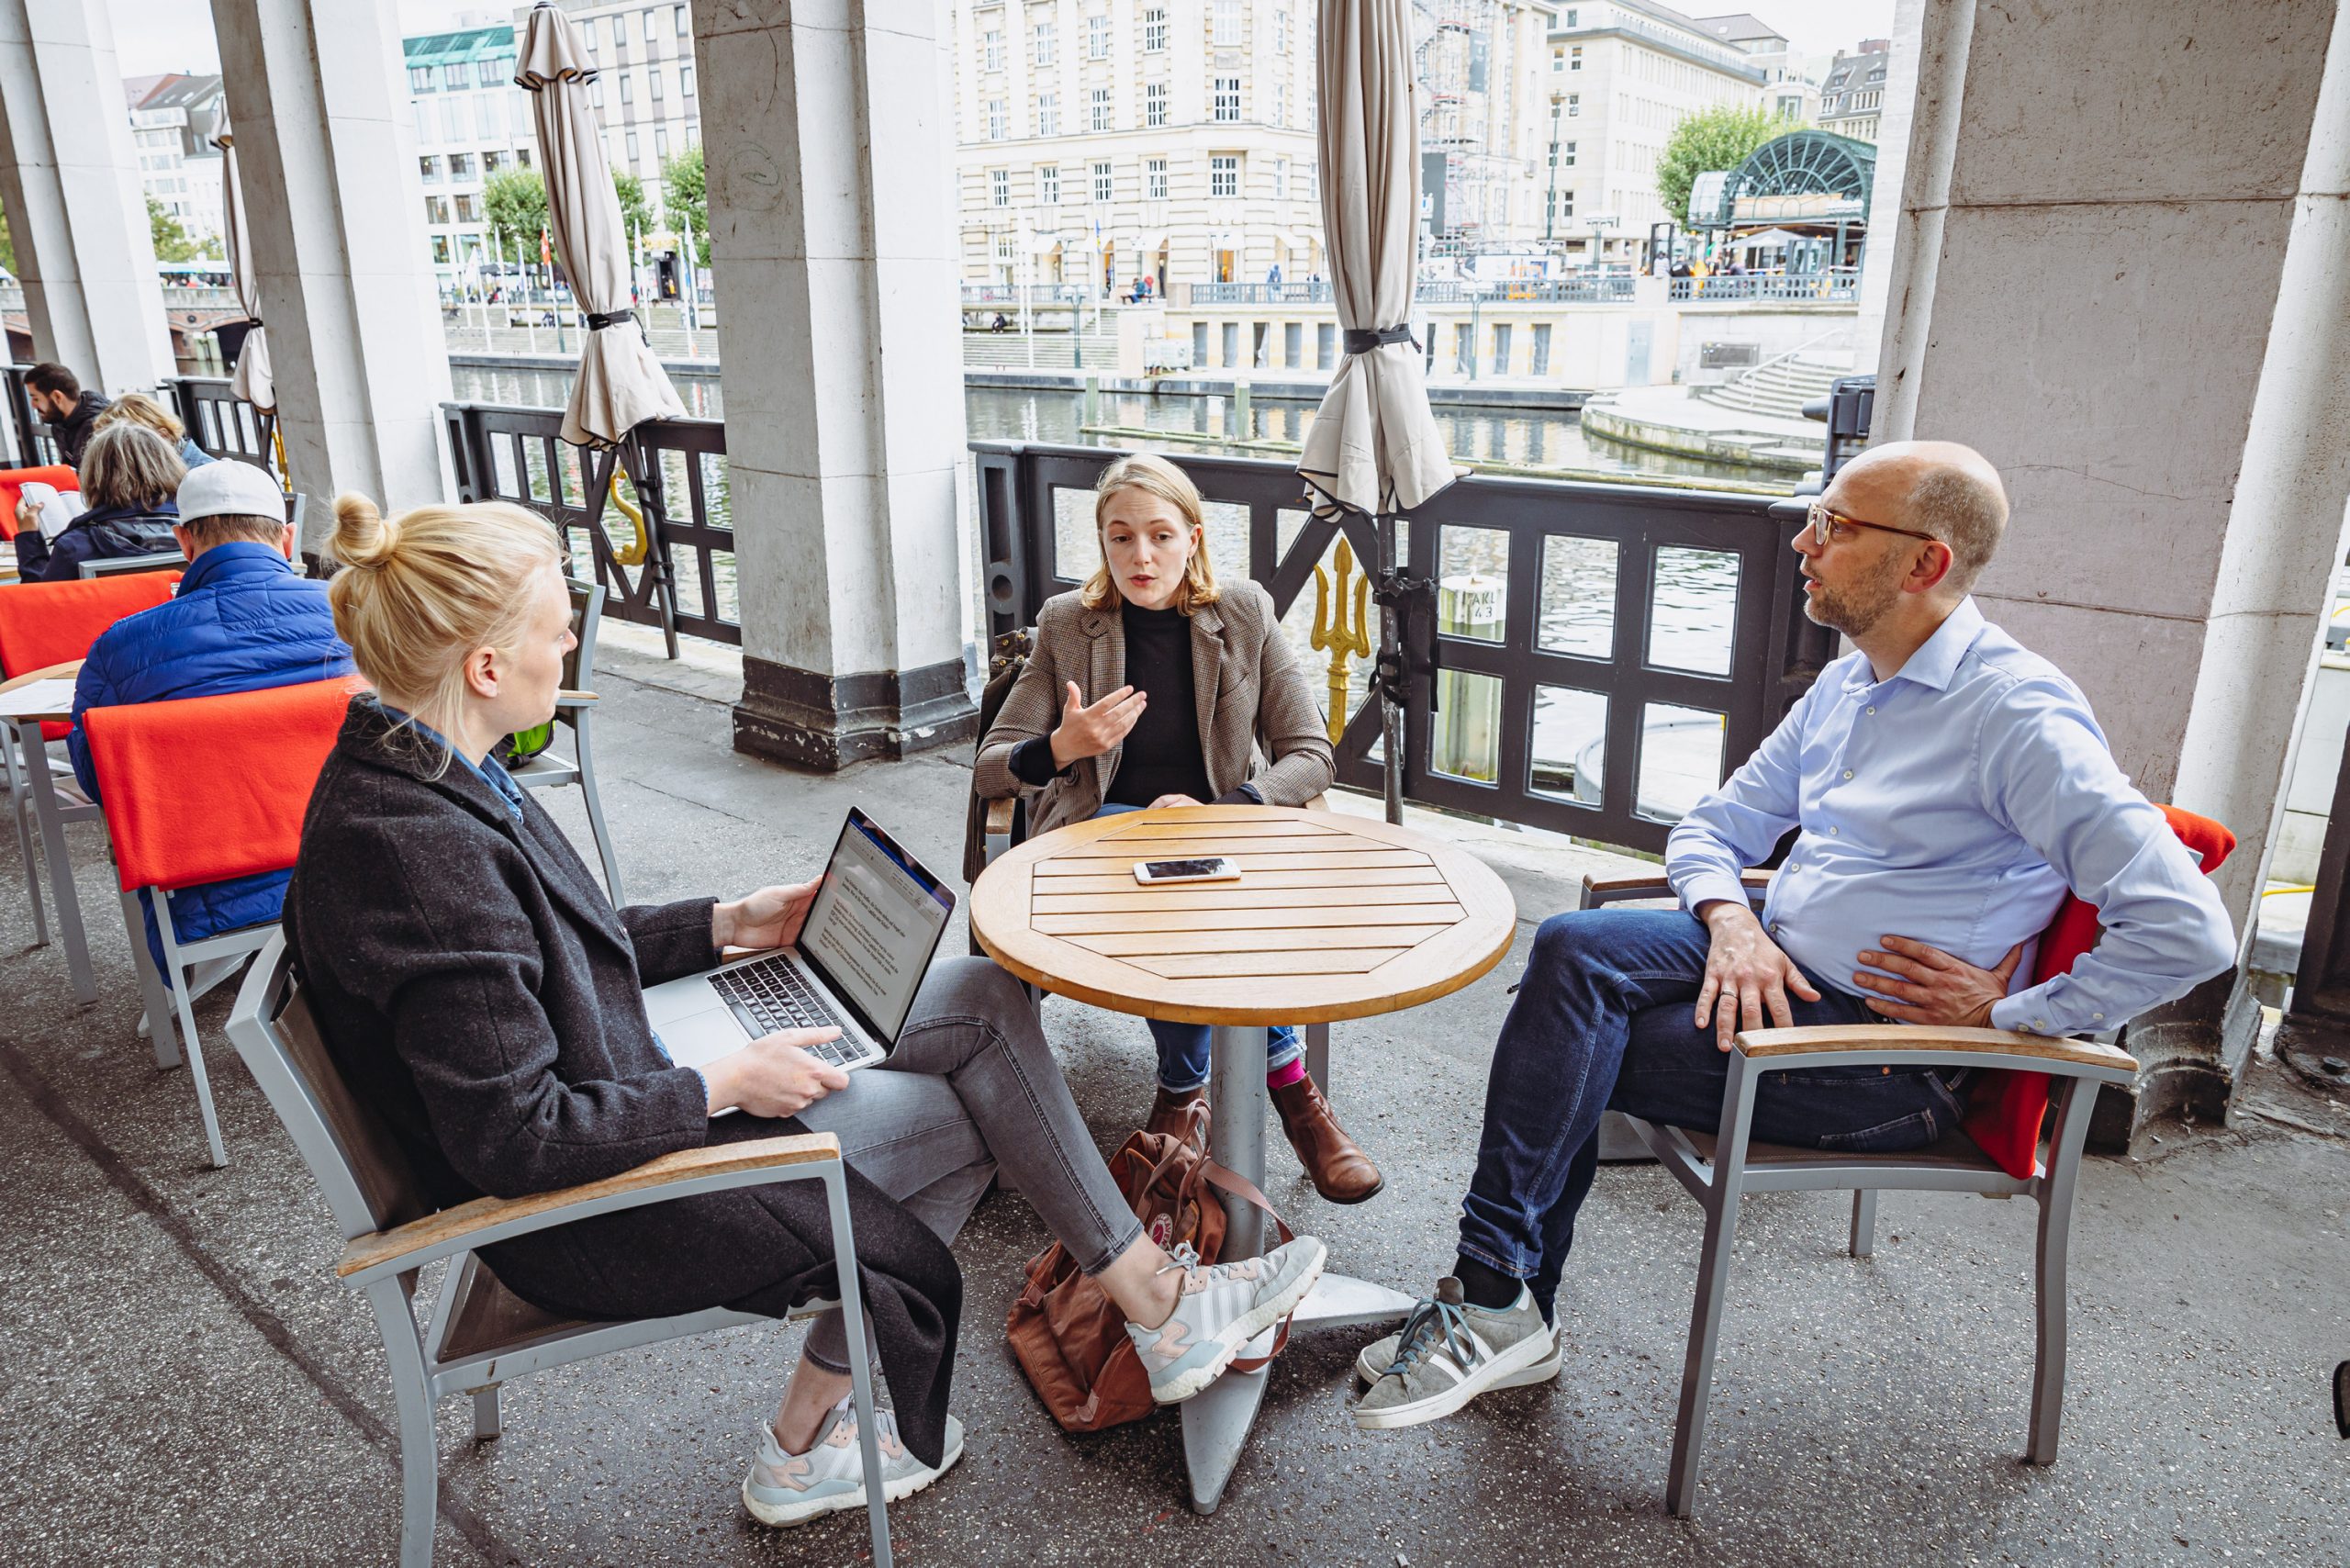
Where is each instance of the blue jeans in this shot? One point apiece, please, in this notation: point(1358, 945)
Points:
point(1184, 1048)
point(1603, 1021)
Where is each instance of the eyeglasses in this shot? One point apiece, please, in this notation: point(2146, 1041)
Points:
point(1827, 526)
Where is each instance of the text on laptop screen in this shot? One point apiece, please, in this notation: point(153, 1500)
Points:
point(874, 925)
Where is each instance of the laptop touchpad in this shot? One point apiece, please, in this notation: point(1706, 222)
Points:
point(702, 1037)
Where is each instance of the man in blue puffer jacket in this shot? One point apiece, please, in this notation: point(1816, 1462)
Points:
point(242, 620)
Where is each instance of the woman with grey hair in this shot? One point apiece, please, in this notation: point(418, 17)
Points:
point(130, 482)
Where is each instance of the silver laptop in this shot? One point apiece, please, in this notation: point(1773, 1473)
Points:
point(869, 940)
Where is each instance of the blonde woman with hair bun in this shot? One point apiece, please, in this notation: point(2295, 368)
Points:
point(1152, 686)
point(473, 984)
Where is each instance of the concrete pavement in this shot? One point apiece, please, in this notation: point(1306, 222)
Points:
point(184, 1384)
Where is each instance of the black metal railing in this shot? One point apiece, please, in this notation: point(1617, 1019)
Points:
point(223, 424)
point(30, 444)
point(1575, 718)
point(684, 579)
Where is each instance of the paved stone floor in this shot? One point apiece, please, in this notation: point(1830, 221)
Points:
point(182, 1382)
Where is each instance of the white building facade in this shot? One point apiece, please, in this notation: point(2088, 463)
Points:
point(170, 126)
point(1625, 73)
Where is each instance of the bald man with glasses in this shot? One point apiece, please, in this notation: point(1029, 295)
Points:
point(1947, 787)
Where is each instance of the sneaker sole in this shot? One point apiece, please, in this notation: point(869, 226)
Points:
point(1238, 1332)
point(1518, 1357)
point(1542, 1370)
point(793, 1514)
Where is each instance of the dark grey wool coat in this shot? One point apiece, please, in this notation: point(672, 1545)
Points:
point(475, 986)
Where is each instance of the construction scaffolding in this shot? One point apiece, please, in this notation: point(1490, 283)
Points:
point(1459, 58)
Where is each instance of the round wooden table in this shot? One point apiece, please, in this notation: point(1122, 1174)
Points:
point(1333, 917)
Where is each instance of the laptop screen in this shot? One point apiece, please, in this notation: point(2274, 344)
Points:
point(876, 922)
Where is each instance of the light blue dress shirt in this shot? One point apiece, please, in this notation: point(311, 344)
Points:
point(1955, 802)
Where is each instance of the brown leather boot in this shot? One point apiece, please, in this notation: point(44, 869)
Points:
point(1171, 1113)
point(1341, 1171)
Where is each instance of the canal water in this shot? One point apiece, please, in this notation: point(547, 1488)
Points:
point(1692, 615)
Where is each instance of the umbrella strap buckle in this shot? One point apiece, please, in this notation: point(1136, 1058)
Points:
point(599, 320)
point(1413, 602)
point(1360, 341)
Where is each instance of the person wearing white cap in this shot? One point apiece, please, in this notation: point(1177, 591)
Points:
point(242, 619)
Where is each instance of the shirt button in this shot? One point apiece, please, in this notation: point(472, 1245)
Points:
point(1872, 706)
point(1774, 928)
point(1848, 772)
point(1835, 833)
point(2097, 1017)
point(2040, 1023)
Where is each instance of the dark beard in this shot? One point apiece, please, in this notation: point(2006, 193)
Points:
point(1869, 602)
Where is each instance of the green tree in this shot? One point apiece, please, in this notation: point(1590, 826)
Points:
point(1717, 138)
point(7, 247)
point(637, 212)
point(516, 203)
point(172, 241)
point(686, 181)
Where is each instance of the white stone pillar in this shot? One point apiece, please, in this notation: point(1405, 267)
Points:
point(833, 245)
point(2140, 318)
point(69, 179)
point(335, 209)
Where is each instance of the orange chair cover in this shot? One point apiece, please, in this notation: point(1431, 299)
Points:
point(57, 476)
point(47, 624)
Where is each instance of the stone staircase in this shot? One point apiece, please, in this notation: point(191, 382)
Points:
point(1009, 351)
point(1779, 388)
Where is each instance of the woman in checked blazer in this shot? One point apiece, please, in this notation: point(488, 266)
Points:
point(1150, 685)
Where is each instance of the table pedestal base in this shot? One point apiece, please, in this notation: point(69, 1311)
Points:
point(1217, 1421)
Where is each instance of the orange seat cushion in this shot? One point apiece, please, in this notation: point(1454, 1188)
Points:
point(56, 475)
point(2004, 1110)
point(49, 624)
point(210, 788)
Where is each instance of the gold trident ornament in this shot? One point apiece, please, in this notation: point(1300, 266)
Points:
point(1341, 641)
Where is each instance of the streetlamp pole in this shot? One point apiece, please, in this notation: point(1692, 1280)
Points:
point(1551, 203)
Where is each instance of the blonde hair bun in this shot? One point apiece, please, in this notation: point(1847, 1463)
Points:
point(362, 537)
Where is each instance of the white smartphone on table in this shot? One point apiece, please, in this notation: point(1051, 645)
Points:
point(1205, 869)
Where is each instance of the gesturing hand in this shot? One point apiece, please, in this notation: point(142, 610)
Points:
point(1747, 977)
point(1089, 731)
point(1933, 987)
point(772, 1076)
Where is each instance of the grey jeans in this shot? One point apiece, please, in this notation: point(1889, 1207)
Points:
point(970, 1089)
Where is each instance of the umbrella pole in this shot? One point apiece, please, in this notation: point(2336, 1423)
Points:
point(1391, 675)
point(656, 541)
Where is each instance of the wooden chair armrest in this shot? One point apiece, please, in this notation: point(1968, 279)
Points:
point(1863, 1040)
point(485, 1220)
point(53, 672)
point(1000, 814)
point(575, 698)
point(1616, 890)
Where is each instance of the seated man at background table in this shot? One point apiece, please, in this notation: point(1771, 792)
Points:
point(1949, 787)
point(242, 620)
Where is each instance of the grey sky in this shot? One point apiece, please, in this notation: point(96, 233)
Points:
point(176, 35)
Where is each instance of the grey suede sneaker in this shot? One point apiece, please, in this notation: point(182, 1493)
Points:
point(1372, 1362)
point(791, 1489)
point(1449, 1352)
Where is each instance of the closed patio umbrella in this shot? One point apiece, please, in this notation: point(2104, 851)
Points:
point(1374, 449)
point(252, 380)
point(619, 383)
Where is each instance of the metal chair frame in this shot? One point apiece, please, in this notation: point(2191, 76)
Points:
point(124, 566)
point(1720, 1169)
point(382, 1263)
point(574, 708)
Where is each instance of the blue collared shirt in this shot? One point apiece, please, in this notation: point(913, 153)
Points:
point(1955, 802)
point(488, 769)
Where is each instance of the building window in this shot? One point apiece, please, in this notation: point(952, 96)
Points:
point(1540, 365)
point(1097, 37)
point(620, 38)
point(487, 74)
point(1567, 17)
point(468, 209)
point(431, 169)
point(1558, 59)
point(652, 29)
point(1154, 104)
point(1281, 179)
point(1101, 183)
point(1305, 181)
point(1154, 179)
point(1048, 185)
point(1280, 103)
point(632, 150)
point(685, 81)
point(436, 210)
point(991, 51)
point(1574, 105)
point(1464, 348)
point(1227, 99)
point(419, 78)
point(1281, 32)
point(656, 84)
point(685, 21)
point(461, 165)
point(1227, 24)
point(1048, 114)
point(1574, 57)
point(453, 77)
point(1101, 109)
point(1326, 345)
point(1224, 174)
point(999, 187)
point(1043, 34)
point(1501, 348)
point(995, 119)
point(628, 88)
point(1566, 154)
point(1562, 205)
point(1153, 31)
point(441, 247)
point(661, 141)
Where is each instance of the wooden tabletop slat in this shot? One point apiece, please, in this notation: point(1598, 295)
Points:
point(1331, 918)
point(1297, 887)
point(1131, 849)
point(1144, 917)
point(1308, 938)
point(1243, 965)
point(1319, 860)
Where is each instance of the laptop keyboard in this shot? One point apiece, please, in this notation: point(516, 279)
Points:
point(776, 997)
